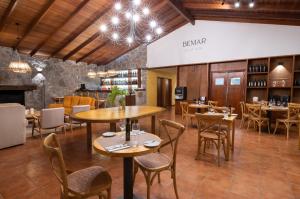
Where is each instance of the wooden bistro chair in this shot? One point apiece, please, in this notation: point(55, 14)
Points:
point(210, 130)
point(256, 116)
point(50, 118)
point(245, 115)
point(152, 164)
point(185, 114)
point(77, 109)
point(292, 118)
point(212, 103)
point(84, 183)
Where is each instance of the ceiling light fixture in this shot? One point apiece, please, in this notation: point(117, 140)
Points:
point(251, 4)
point(237, 4)
point(16, 65)
point(133, 21)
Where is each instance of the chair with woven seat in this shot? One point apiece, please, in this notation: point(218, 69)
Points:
point(152, 164)
point(185, 114)
point(210, 129)
point(245, 115)
point(212, 103)
point(256, 115)
point(292, 118)
point(84, 183)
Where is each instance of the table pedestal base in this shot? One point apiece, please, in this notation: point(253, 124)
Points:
point(128, 177)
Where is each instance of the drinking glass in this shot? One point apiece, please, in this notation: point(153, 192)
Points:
point(122, 126)
point(134, 138)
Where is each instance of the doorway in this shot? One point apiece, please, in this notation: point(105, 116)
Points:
point(228, 88)
point(164, 92)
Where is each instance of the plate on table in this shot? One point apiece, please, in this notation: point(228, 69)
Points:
point(151, 143)
point(108, 134)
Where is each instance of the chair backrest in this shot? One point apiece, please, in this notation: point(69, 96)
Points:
point(212, 103)
point(52, 117)
point(165, 127)
point(209, 122)
point(243, 107)
point(184, 107)
point(80, 108)
point(294, 111)
point(254, 110)
point(53, 150)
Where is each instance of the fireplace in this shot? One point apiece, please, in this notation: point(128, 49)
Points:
point(14, 93)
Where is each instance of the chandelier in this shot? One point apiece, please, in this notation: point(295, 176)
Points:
point(19, 66)
point(131, 22)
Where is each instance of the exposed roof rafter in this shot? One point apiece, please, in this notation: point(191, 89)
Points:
point(177, 5)
point(35, 22)
point(81, 5)
point(11, 7)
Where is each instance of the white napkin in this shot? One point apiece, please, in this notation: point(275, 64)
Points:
point(117, 147)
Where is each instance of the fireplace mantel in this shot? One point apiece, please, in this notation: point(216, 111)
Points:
point(30, 87)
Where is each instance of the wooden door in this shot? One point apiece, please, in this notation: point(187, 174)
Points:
point(218, 88)
point(164, 92)
point(193, 83)
point(236, 90)
point(228, 88)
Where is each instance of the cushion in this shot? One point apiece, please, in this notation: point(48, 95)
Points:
point(153, 161)
point(85, 101)
point(55, 105)
point(75, 100)
point(68, 101)
point(89, 180)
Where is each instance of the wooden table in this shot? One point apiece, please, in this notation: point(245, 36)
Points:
point(199, 106)
point(113, 115)
point(127, 154)
point(230, 121)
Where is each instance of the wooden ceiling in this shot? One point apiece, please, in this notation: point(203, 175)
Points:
point(69, 29)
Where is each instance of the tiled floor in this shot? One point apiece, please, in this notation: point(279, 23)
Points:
point(265, 166)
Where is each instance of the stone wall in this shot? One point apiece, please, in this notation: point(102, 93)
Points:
point(64, 77)
point(61, 78)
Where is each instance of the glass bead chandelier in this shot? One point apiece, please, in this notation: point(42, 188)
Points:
point(130, 22)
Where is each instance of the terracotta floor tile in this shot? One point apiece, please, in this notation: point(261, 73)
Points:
point(261, 167)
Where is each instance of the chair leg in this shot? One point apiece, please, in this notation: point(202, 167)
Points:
point(248, 125)
point(40, 131)
point(204, 146)
point(224, 148)
point(109, 193)
point(268, 124)
point(219, 144)
point(259, 127)
point(158, 177)
point(174, 183)
point(135, 170)
point(287, 130)
point(242, 122)
point(276, 126)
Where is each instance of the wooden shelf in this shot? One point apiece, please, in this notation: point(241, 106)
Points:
point(280, 87)
point(257, 73)
point(297, 87)
point(257, 87)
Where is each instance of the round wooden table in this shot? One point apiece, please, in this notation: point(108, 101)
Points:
point(113, 115)
point(127, 154)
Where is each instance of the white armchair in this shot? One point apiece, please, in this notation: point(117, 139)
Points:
point(77, 109)
point(13, 125)
point(50, 118)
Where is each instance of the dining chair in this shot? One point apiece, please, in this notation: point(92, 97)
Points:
point(50, 118)
point(212, 103)
point(185, 114)
point(210, 130)
point(245, 115)
point(292, 118)
point(77, 109)
point(152, 164)
point(257, 116)
point(84, 183)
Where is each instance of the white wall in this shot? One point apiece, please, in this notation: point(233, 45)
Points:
point(223, 41)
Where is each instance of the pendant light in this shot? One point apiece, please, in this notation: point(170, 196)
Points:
point(18, 66)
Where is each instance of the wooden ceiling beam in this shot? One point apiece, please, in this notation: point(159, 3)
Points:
point(82, 28)
point(92, 51)
point(11, 7)
point(177, 5)
point(35, 22)
point(78, 48)
point(81, 5)
point(266, 7)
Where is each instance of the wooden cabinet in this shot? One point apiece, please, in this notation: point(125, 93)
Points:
point(195, 78)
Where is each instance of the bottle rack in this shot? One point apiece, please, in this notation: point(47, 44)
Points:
point(124, 79)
